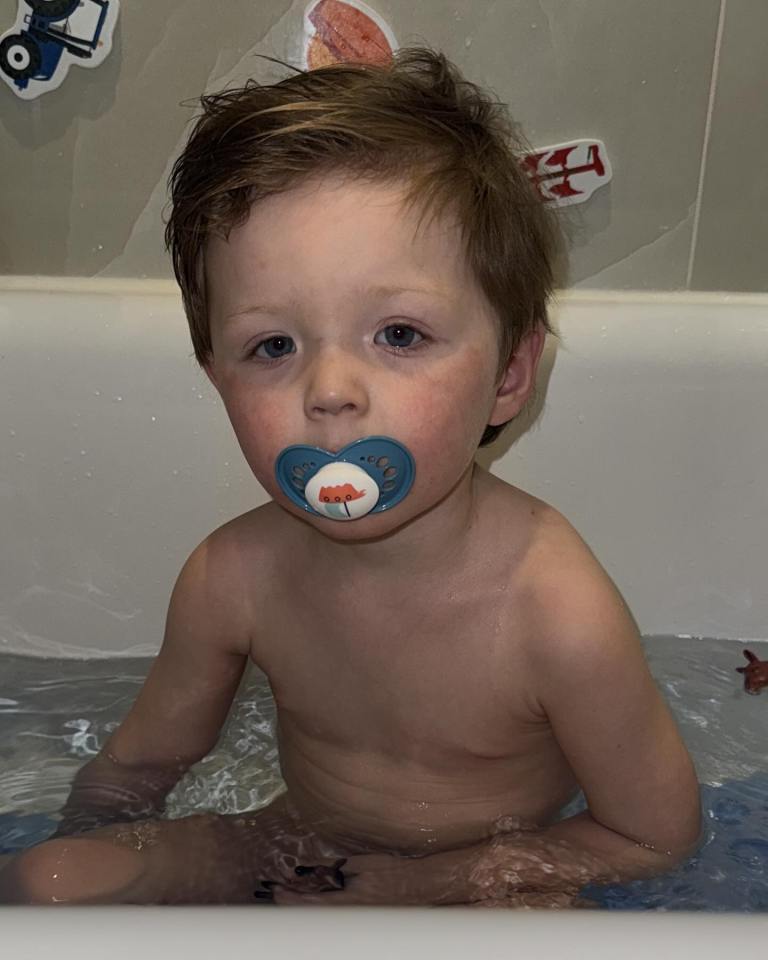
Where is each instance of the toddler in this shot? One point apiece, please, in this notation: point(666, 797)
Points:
point(365, 270)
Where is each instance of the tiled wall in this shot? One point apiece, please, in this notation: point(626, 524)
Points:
point(676, 89)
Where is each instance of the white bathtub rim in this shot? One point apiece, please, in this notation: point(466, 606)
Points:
point(42, 649)
point(378, 933)
point(149, 286)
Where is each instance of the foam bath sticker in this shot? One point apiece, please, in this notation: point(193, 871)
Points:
point(337, 31)
point(570, 172)
point(49, 36)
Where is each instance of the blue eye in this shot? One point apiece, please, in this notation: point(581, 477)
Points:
point(276, 346)
point(278, 341)
point(403, 331)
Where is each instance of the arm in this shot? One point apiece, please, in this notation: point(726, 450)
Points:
point(614, 728)
point(178, 714)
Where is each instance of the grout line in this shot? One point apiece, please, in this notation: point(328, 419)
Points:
point(705, 145)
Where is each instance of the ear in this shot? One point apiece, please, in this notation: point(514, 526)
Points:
point(519, 377)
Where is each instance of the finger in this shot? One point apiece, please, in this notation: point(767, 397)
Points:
point(289, 898)
point(330, 873)
point(526, 901)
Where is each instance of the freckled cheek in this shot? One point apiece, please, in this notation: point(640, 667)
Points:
point(453, 407)
point(260, 429)
point(443, 434)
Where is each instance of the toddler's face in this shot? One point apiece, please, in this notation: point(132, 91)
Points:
point(309, 347)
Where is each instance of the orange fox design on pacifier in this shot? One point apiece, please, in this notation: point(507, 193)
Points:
point(367, 476)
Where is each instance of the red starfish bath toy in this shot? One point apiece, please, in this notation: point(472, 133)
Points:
point(756, 674)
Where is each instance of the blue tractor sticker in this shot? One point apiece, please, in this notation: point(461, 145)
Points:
point(49, 35)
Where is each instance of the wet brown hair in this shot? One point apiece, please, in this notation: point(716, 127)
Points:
point(414, 121)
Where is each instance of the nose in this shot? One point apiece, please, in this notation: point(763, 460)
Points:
point(336, 385)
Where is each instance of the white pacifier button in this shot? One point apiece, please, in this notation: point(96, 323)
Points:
point(342, 491)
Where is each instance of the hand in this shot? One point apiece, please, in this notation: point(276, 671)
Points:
point(519, 864)
point(537, 900)
point(510, 873)
point(75, 822)
point(381, 879)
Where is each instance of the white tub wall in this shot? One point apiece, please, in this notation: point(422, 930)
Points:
point(376, 933)
point(118, 458)
point(653, 443)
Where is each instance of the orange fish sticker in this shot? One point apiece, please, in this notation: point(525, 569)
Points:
point(340, 31)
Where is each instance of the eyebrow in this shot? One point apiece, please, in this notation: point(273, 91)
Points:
point(379, 291)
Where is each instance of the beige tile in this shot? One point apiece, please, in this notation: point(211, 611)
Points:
point(634, 74)
point(732, 247)
point(86, 159)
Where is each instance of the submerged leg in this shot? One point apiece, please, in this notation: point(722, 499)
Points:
point(199, 859)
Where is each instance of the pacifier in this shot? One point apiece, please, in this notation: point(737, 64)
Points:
point(367, 476)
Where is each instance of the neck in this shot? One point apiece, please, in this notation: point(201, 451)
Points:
point(434, 541)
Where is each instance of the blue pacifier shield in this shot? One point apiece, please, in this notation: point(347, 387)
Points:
point(367, 476)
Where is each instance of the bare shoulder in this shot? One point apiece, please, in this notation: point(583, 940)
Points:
point(580, 641)
point(231, 570)
point(563, 576)
point(568, 598)
point(253, 535)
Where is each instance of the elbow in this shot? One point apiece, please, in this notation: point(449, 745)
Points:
point(687, 839)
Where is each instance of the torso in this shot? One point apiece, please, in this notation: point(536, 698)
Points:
point(408, 724)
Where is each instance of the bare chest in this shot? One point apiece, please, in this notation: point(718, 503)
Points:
point(413, 677)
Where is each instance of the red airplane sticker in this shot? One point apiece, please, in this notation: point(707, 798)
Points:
point(570, 172)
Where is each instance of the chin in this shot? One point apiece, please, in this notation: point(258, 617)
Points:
point(373, 526)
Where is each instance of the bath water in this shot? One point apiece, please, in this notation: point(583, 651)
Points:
point(55, 714)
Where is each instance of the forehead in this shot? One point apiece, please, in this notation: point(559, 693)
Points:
point(331, 237)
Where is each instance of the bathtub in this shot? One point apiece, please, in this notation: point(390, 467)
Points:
point(648, 432)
